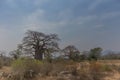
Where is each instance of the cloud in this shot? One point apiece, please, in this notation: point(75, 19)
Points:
point(37, 20)
point(12, 3)
point(110, 15)
point(99, 26)
point(96, 3)
point(32, 20)
point(38, 2)
point(18, 3)
point(35, 16)
point(6, 39)
point(70, 21)
point(31, 27)
point(85, 19)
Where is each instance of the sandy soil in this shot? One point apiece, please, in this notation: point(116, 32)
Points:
point(5, 69)
point(114, 76)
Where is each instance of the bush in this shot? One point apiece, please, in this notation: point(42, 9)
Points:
point(106, 68)
point(4, 61)
point(89, 71)
point(26, 67)
point(95, 70)
point(1, 63)
point(46, 68)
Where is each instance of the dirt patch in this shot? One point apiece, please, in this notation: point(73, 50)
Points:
point(5, 69)
point(113, 76)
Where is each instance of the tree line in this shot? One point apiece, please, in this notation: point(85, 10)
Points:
point(42, 46)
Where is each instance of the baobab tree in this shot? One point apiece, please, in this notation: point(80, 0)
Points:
point(40, 44)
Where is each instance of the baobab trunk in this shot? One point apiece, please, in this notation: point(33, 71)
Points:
point(38, 55)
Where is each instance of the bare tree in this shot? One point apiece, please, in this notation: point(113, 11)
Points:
point(16, 53)
point(40, 44)
point(71, 52)
point(2, 53)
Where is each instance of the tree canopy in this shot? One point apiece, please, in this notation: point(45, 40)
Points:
point(95, 53)
point(71, 52)
point(40, 44)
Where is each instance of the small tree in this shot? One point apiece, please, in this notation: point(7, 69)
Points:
point(95, 53)
point(71, 52)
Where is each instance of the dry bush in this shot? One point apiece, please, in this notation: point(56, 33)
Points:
point(60, 70)
point(95, 70)
point(5, 62)
point(107, 68)
point(95, 66)
point(52, 69)
point(114, 67)
point(1, 64)
point(57, 68)
point(46, 68)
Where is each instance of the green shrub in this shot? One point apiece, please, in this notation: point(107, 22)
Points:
point(23, 66)
point(26, 64)
point(106, 68)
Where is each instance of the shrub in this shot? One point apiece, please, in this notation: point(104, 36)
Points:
point(46, 68)
point(95, 66)
point(106, 68)
point(51, 69)
point(5, 62)
point(95, 70)
point(1, 63)
point(25, 66)
point(84, 75)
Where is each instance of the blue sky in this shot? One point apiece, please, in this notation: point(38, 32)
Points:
point(83, 23)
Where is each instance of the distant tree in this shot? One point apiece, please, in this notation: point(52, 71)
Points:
point(71, 52)
point(82, 57)
point(2, 54)
point(111, 55)
point(86, 54)
point(95, 53)
point(16, 53)
point(40, 44)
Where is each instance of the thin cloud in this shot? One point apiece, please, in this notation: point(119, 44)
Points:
point(96, 3)
point(51, 16)
point(110, 15)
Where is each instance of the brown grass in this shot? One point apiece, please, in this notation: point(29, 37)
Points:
point(109, 68)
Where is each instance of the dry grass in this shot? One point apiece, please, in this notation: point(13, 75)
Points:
point(101, 70)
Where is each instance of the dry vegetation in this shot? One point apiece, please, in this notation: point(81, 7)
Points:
point(30, 69)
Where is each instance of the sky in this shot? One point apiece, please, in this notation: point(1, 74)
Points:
point(84, 23)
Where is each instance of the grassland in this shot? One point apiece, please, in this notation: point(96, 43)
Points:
point(100, 70)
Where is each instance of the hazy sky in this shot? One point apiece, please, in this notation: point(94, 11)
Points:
point(84, 23)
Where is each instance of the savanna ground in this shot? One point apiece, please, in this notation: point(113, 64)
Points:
point(100, 70)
